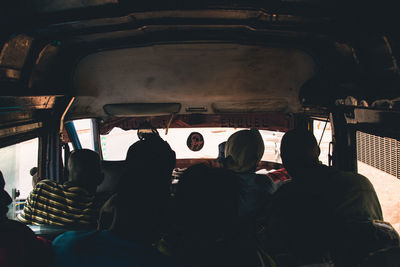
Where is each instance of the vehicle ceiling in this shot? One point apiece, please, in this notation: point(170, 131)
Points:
point(212, 57)
point(208, 78)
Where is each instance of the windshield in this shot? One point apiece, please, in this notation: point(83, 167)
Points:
point(116, 143)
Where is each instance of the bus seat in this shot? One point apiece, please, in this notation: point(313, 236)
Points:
point(388, 257)
point(113, 172)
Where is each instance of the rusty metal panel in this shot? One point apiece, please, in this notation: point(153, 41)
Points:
point(19, 129)
point(27, 102)
point(45, 6)
point(44, 64)
point(13, 56)
point(18, 112)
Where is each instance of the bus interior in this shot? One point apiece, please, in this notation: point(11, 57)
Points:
point(90, 74)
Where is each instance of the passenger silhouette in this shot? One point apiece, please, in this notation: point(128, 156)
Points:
point(71, 204)
point(207, 229)
point(132, 220)
point(314, 218)
point(243, 151)
point(35, 176)
point(19, 246)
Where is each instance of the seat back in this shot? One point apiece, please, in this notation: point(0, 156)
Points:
point(113, 173)
point(388, 257)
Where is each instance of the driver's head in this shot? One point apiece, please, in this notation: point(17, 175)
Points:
point(5, 199)
point(84, 169)
point(299, 150)
point(151, 156)
point(244, 150)
point(144, 191)
point(149, 165)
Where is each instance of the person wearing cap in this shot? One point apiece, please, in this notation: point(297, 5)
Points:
point(243, 151)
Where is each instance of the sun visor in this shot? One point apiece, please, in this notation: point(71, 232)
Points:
point(141, 109)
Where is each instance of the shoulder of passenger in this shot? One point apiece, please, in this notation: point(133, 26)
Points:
point(265, 180)
point(45, 183)
point(71, 237)
point(356, 179)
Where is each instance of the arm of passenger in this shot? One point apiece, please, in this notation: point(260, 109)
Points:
point(268, 185)
point(26, 215)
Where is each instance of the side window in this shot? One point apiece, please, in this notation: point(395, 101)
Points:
point(272, 144)
point(323, 134)
point(378, 160)
point(84, 129)
point(115, 145)
point(16, 161)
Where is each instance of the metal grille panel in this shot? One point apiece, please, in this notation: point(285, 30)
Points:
point(382, 153)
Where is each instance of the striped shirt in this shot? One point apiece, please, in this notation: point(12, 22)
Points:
point(63, 205)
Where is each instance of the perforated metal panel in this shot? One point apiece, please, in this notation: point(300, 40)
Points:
point(382, 153)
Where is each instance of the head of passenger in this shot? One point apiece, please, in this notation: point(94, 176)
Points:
point(35, 176)
point(149, 162)
point(207, 204)
point(84, 169)
point(243, 151)
point(5, 199)
point(299, 151)
point(221, 151)
point(144, 192)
